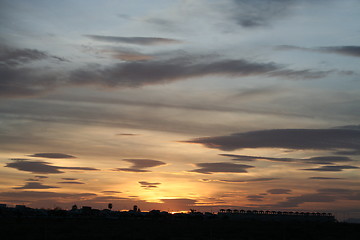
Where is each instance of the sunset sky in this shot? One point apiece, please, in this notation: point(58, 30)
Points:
point(172, 105)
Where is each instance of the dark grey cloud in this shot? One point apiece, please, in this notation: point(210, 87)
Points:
point(279, 191)
point(11, 56)
point(140, 165)
point(237, 157)
point(42, 167)
point(70, 179)
point(322, 195)
point(312, 160)
point(353, 51)
point(258, 13)
point(356, 152)
point(327, 159)
point(321, 139)
point(221, 167)
point(255, 198)
point(34, 185)
point(71, 182)
point(325, 178)
point(134, 40)
point(332, 168)
point(149, 185)
point(25, 81)
point(141, 73)
point(52, 155)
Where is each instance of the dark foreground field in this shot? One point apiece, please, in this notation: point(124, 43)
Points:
point(62, 228)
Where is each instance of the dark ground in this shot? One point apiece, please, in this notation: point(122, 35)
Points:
point(67, 228)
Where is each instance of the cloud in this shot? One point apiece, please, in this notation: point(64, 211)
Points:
point(353, 51)
point(41, 177)
point(324, 178)
point(179, 203)
point(320, 139)
point(312, 160)
point(327, 159)
point(111, 192)
point(26, 81)
point(42, 167)
point(322, 195)
point(130, 170)
point(221, 167)
point(142, 73)
point(149, 185)
point(12, 57)
point(237, 157)
point(356, 152)
point(134, 40)
point(131, 56)
point(331, 168)
point(71, 182)
point(127, 134)
point(34, 185)
point(257, 13)
point(70, 179)
point(255, 198)
point(35, 195)
point(240, 180)
point(51, 155)
point(279, 191)
point(36, 178)
point(138, 165)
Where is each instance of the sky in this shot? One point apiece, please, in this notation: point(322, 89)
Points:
point(172, 105)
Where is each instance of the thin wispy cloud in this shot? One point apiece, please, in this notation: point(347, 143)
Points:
point(135, 40)
point(71, 182)
point(353, 51)
point(325, 178)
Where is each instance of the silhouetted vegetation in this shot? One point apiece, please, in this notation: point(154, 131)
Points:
point(87, 223)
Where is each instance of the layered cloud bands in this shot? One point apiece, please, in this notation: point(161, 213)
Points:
point(19, 79)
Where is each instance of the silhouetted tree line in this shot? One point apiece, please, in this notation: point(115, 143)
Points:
point(136, 213)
